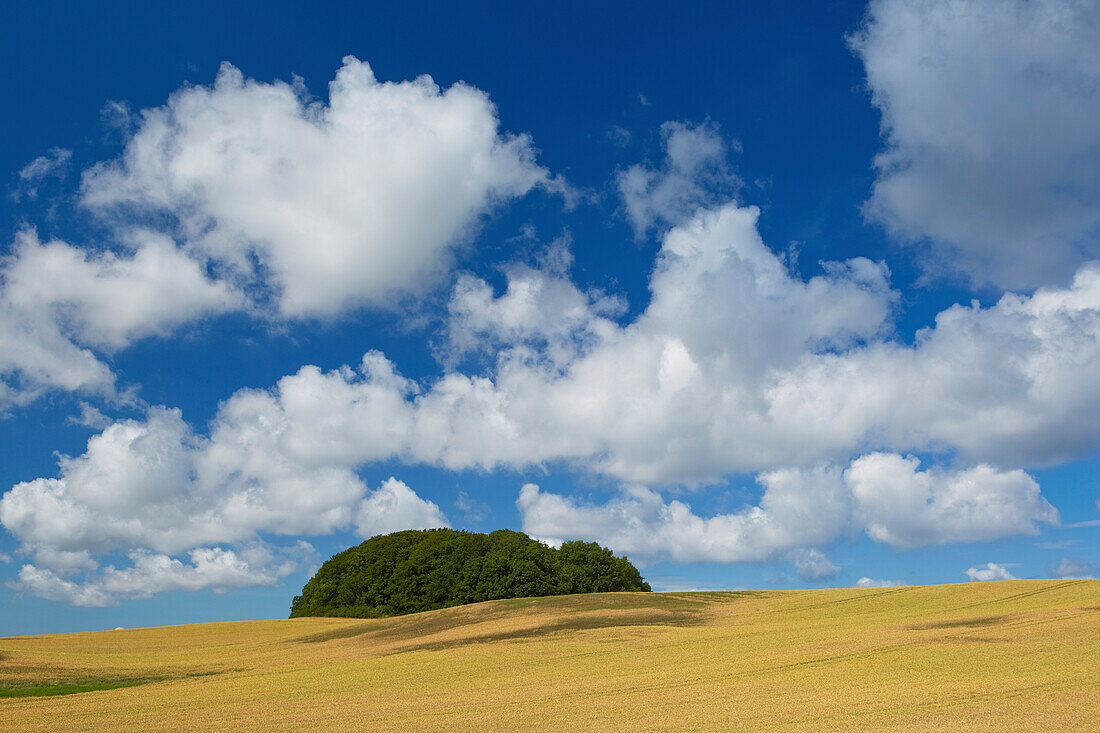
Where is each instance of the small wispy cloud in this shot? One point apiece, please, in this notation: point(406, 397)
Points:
point(51, 165)
point(619, 136)
point(1087, 523)
point(473, 511)
point(812, 565)
point(1076, 569)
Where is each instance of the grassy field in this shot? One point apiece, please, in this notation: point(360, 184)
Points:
point(1016, 655)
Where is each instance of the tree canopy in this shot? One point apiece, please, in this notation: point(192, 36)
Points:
point(420, 570)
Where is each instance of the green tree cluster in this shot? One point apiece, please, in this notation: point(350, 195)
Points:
point(420, 570)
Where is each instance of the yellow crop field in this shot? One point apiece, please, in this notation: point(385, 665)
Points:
point(1015, 655)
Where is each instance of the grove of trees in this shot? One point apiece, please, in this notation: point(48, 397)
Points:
point(420, 570)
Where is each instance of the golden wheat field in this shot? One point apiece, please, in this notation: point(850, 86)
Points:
point(1015, 655)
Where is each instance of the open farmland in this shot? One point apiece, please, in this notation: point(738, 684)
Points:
point(978, 656)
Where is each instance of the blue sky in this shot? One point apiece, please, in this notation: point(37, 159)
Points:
point(775, 295)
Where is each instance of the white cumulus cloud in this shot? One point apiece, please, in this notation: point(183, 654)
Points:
point(393, 506)
point(884, 495)
point(734, 366)
point(541, 310)
point(1010, 383)
point(154, 490)
point(150, 573)
point(334, 205)
point(154, 484)
point(272, 198)
point(905, 507)
point(59, 304)
point(641, 524)
point(989, 112)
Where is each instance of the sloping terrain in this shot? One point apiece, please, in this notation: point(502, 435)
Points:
point(977, 656)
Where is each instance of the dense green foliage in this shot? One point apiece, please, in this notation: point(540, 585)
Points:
point(420, 570)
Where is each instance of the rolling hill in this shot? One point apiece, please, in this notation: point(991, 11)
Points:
point(976, 656)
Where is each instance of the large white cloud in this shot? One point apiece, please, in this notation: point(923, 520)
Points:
point(884, 495)
point(905, 507)
point(334, 205)
point(152, 489)
point(59, 302)
point(108, 299)
point(795, 510)
point(735, 366)
point(153, 484)
point(273, 199)
point(1013, 383)
point(989, 111)
point(673, 397)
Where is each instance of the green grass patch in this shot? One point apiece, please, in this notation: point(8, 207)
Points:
point(50, 689)
point(31, 682)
